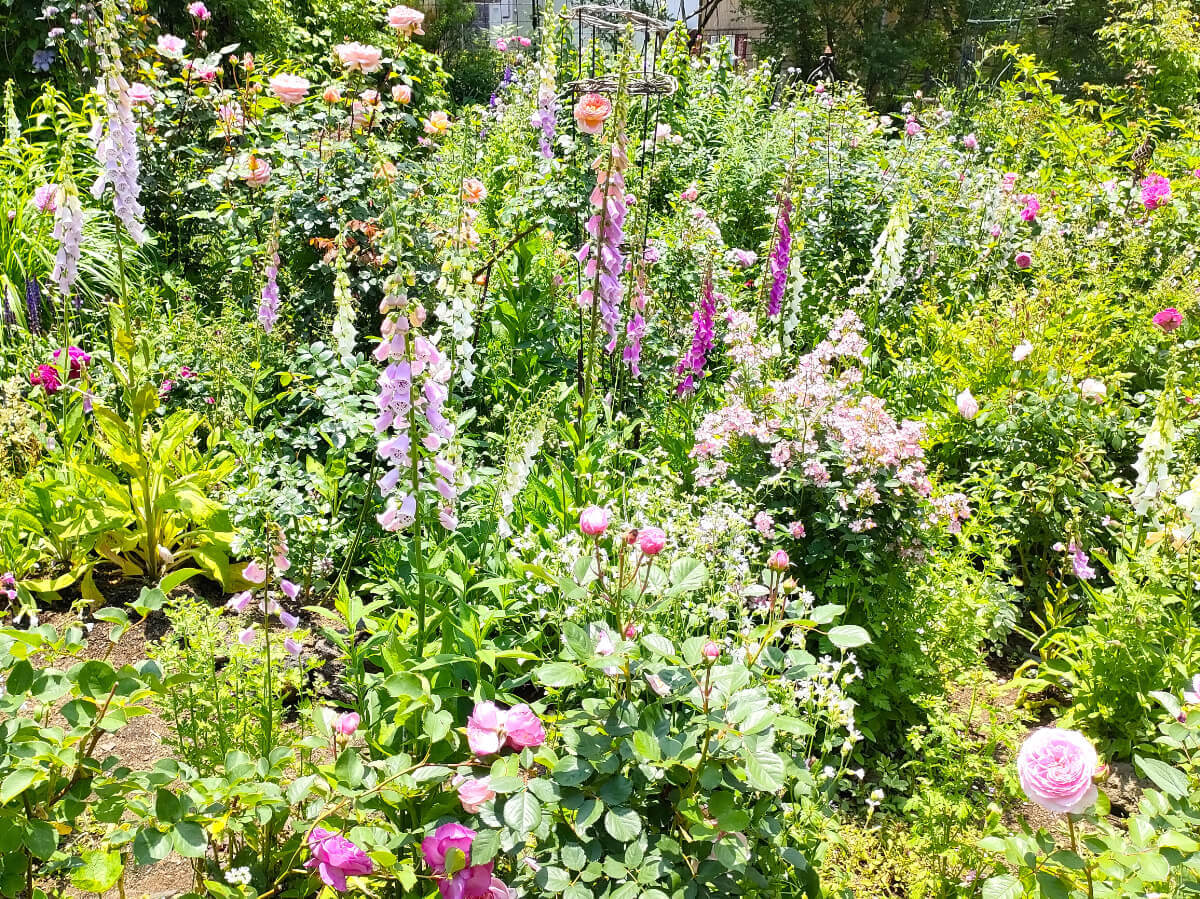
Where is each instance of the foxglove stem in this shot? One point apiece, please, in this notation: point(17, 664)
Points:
point(780, 257)
point(691, 364)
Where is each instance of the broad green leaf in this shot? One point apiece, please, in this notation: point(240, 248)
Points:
point(1167, 778)
point(99, 872)
point(848, 636)
point(622, 824)
point(522, 812)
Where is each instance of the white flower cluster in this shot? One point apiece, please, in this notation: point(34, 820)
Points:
point(238, 876)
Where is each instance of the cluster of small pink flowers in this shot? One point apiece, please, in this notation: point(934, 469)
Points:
point(691, 364)
point(413, 390)
point(1156, 191)
point(469, 881)
point(764, 523)
point(952, 510)
point(601, 256)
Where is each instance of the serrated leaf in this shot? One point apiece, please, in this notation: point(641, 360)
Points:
point(522, 812)
point(99, 872)
point(622, 824)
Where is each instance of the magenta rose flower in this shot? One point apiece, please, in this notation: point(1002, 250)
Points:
point(451, 835)
point(524, 728)
point(1057, 769)
point(1168, 319)
point(475, 882)
point(336, 858)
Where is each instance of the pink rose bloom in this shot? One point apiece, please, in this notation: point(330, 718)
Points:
point(593, 521)
point(199, 11)
point(140, 93)
point(1009, 181)
point(1156, 191)
point(501, 45)
point(1057, 770)
point(690, 194)
point(524, 42)
point(258, 172)
point(473, 190)
point(524, 728)
point(912, 128)
point(711, 651)
point(971, 142)
point(290, 89)
point(1168, 319)
point(1023, 259)
point(170, 46)
point(591, 112)
point(402, 93)
point(451, 835)
point(474, 792)
point(651, 540)
point(778, 561)
point(45, 198)
point(796, 529)
point(346, 724)
point(1031, 209)
point(336, 858)
point(485, 729)
point(406, 20)
point(359, 57)
point(201, 70)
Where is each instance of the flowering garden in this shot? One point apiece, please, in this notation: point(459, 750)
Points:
point(668, 478)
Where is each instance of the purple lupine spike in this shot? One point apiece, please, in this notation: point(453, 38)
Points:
point(691, 364)
point(10, 317)
point(780, 258)
point(33, 305)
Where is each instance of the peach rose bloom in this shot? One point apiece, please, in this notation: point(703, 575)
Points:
point(359, 57)
point(473, 190)
point(590, 113)
point(332, 94)
point(437, 123)
point(258, 171)
point(290, 89)
point(402, 93)
point(406, 20)
point(369, 96)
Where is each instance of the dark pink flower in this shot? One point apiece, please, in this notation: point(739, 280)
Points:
point(451, 835)
point(524, 728)
point(651, 540)
point(1168, 319)
point(336, 858)
point(46, 377)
